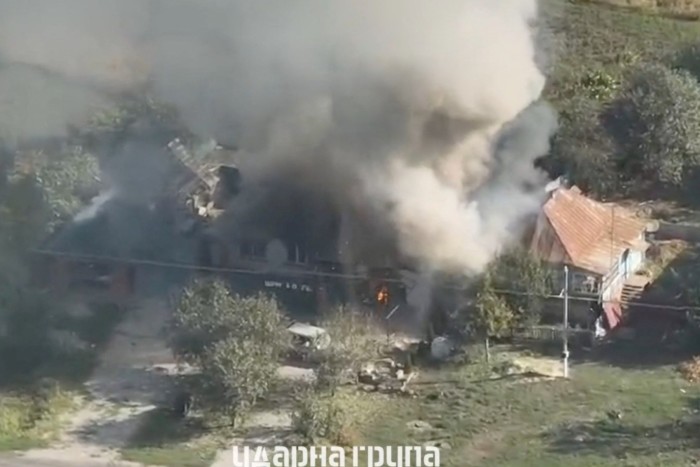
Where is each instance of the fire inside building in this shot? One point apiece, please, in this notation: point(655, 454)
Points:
point(293, 244)
point(285, 242)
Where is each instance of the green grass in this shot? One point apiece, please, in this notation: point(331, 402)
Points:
point(32, 421)
point(36, 397)
point(511, 422)
point(165, 440)
point(589, 37)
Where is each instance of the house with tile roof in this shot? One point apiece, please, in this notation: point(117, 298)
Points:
point(603, 244)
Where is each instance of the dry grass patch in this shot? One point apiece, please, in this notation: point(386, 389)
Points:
point(681, 9)
point(163, 439)
point(33, 420)
point(540, 366)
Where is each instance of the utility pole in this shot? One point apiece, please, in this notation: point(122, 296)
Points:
point(565, 353)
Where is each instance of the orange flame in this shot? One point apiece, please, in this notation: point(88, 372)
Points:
point(383, 295)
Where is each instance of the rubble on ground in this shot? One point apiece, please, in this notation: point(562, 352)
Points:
point(386, 375)
point(691, 370)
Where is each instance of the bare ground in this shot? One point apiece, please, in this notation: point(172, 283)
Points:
point(133, 377)
point(266, 427)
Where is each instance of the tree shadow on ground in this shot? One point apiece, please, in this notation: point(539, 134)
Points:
point(651, 346)
point(162, 427)
point(155, 428)
point(616, 438)
point(140, 386)
point(36, 356)
point(283, 396)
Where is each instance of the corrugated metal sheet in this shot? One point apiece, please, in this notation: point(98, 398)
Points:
point(593, 234)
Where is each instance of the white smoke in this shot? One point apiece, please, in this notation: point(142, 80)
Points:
point(95, 206)
point(404, 109)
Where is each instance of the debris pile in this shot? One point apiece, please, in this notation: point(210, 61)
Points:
point(386, 375)
point(206, 178)
point(691, 370)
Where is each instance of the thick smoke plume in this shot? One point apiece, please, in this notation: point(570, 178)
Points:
point(420, 116)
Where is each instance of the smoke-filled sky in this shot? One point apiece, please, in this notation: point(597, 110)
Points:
point(417, 113)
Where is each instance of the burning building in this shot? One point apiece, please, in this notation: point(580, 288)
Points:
point(410, 145)
point(297, 240)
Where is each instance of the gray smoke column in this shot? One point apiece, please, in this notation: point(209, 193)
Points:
point(418, 114)
point(400, 108)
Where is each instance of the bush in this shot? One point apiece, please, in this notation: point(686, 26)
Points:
point(207, 312)
point(492, 316)
point(33, 417)
point(355, 336)
point(331, 368)
point(332, 418)
point(237, 373)
point(237, 342)
point(582, 150)
point(519, 271)
point(354, 340)
point(656, 124)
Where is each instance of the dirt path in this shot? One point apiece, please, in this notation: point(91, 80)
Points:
point(131, 379)
point(265, 427)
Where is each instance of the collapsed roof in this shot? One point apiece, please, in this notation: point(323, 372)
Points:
point(203, 178)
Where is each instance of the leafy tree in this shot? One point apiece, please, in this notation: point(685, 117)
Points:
point(492, 317)
point(238, 372)
point(109, 127)
point(509, 294)
point(52, 188)
point(527, 279)
point(582, 150)
point(655, 122)
point(68, 182)
point(328, 418)
point(203, 316)
point(208, 312)
point(354, 341)
point(117, 119)
point(237, 342)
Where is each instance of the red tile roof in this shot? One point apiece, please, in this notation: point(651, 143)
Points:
point(593, 234)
